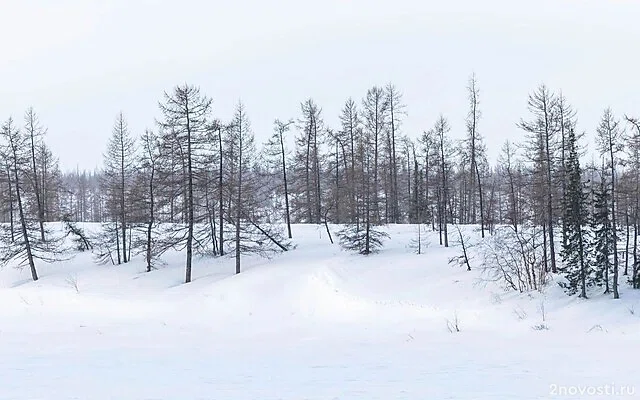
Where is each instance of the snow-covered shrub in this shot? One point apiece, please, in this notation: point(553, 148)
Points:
point(513, 258)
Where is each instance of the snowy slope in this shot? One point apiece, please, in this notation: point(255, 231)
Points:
point(313, 323)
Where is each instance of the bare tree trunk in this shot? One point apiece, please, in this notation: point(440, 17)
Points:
point(307, 168)
point(440, 218)
point(394, 168)
point(376, 133)
point(190, 216)
point(626, 246)
point(545, 258)
point(220, 197)
point(286, 188)
point(122, 206)
point(34, 171)
point(316, 155)
point(352, 186)
point(444, 190)
point(118, 242)
point(635, 245)
point(11, 211)
point(552, 248)
point(151, 219)
point(614, 227)
point(239, 208)
point(23, 222)
point(367, 184)
point(481, 201)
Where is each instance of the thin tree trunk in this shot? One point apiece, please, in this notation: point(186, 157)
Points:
point(544, 246)
point(440, 216)
point(190, 216)
point(317, 171)
point(552, 248)
point(376, 209)
point(35, 174)
point(444, 190)
point(626, 246)
point(23, 223)
point(117, 231)
point(481, 201)
point(122, 193)
point(13, 238)
point(337, 195)
point(367, 184)
point(286, 188)
point(151, 220)
point(220, 198)
point(614, 227)
point(635, 247)
point(308, 177)
point(563, 178)
point(239, 199)
point(394, 169)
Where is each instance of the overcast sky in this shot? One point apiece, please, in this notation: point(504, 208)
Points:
point(80, 62)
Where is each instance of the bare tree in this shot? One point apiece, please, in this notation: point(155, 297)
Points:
point(474, 153)
point(185, 119)
point(119, 167)
point(251, 235)
point(25, 246)
point(275, 147)
point(609, 139)
point(308, 161)
point(633, 152)
point(542, 132)
point(510, 168)
point(15, 144)
point(396, 109)
point(443, 142)
point(351, 127)
point(149, 160)
point(35, 132)
point(375, 108)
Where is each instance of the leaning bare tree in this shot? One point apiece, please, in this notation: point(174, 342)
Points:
point(26, 245)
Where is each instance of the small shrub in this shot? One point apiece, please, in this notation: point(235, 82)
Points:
point(453, 326)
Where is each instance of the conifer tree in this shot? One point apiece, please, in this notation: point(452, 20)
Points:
point(576, 266)
point(603, 242)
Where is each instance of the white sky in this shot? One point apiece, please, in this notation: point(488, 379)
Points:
point(79, 62)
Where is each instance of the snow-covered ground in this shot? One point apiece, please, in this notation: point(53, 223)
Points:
point(313, 323)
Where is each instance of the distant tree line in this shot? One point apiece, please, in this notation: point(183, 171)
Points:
point(195, 182)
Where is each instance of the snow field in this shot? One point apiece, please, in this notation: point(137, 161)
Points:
point(313, 323)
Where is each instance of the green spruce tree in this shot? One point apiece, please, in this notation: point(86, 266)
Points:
point(603, 244)
point(574, 252)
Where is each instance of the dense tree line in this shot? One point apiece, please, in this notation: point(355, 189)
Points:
point(195, 182)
